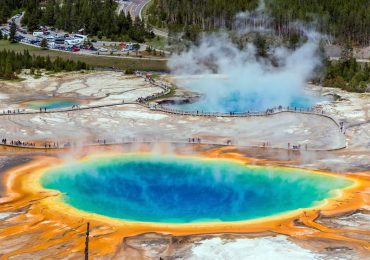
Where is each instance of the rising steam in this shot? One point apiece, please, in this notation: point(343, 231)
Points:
point(247, 82)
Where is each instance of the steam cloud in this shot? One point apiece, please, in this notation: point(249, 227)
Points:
point(247, 83)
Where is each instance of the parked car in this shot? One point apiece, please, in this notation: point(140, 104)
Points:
point(5, 31)
point(19, 37)
point(38, 34)
point(103, 50)
point(36, 42)
point(59, 41)
point(50, 38)
point(75, 49)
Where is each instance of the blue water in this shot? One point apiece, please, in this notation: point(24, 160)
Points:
point(183, 190)
point(234, 102)
point(52, 103)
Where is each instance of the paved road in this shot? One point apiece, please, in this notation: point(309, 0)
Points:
point(135, 7)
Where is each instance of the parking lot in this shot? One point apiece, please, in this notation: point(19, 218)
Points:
point(74, 42)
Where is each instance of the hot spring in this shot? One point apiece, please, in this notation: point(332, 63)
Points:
point(224, 94)
point(52, 103)
point(234, 103)
point(177, 189)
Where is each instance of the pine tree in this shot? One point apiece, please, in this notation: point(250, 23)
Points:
point(48, 15)
point(261, 45)
point(44, 44)
point(347, 52)
point(12, 32)
point(8, 72)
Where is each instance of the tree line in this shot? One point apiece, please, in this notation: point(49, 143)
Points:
point(12, 63)
point(342, 20)
point(8, 8)
point(95, 17)
point(348, 75)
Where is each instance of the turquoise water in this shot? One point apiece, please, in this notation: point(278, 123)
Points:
point(235, 104)
point(239, 104)
point(52, 103)
point(182, 190)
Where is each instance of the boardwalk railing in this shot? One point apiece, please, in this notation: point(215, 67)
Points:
point(139, 141)
point(269, 112)
point(166, 89)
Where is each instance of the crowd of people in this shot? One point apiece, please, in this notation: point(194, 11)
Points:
point(4, 141)
point(194, 140)
point(19, 143)
point(297, 147)
point(149, 78)
point(248, 113)
point(151, 97)
point(14, 111)
point(20, 111)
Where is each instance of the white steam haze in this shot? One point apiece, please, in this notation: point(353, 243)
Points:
point(263, 248)
point(247, 83)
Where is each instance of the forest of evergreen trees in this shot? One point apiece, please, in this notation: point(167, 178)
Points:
point(343, 20)
point(7, 8)
point(348, 75)
point(96, 17)
point(11, 64)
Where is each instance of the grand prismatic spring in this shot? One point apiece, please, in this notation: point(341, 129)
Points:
point(184, 190)
point(127, 194)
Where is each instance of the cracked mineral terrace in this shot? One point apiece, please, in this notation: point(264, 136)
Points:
point(31, 230)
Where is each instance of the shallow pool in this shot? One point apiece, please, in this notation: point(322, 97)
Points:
point(52, 103)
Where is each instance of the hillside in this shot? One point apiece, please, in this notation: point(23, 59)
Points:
point(343, 20)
